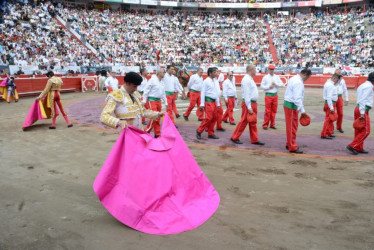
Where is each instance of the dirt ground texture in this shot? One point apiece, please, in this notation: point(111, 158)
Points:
point(270, 199)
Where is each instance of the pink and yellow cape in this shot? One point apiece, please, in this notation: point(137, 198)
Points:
point(155, 185)
point(39, 110)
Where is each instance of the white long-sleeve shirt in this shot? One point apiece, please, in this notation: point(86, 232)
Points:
point(172, 83)
point(178, 86)
point(342, 89)
point(209, 89)
point(111, 82)
point(195, 82)
point(330, 93)
point(295, 92)
point(143, 84)
point(365, 96)
point(154, 88)
point(169, 82)
point(229, 89)
point(249, 90)
point(268, 80)
point(221, 77)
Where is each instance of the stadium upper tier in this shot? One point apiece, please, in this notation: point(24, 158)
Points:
point(31, 36)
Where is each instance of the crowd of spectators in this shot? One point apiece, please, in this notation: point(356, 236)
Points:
point(132, 38)
point(30, 36)
point(325, 39)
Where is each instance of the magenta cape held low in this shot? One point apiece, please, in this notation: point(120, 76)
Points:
point(39, 110)
point(155, 185)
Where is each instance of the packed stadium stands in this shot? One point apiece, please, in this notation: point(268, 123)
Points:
point(31, 36)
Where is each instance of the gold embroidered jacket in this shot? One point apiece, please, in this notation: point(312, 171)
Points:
point(119, 102)
point(54, 84)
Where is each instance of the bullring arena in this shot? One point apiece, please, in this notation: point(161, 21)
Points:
point(269, 198)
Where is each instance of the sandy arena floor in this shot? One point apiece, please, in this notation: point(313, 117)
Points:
point(270, 199)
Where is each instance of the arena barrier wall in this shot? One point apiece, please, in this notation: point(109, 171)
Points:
point(33, 86)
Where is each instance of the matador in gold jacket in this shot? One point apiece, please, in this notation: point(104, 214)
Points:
point(52, 93)
point(126, 106)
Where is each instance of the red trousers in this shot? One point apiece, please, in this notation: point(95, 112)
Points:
point(339, 110)
point(229, 113)
point(57, 100)
point(171, 106)
point(175, 106)
point(271, 107)
point(243, 124)
point(292, 123)
point(361, 135)
point(210, 118)
point(145, 106)
point(219, 115)
point(194, 100)
point(154, 124)
point(328, 125)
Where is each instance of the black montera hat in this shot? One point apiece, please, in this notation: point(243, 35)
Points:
point(133, 78)
point(371, 77)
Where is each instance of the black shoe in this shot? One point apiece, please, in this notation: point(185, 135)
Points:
point(297, 151)
point(236, 141)
point(273, 127)
point(341, 131)
point(332, 136)
point(213, 137)
point(363, 152)
point(264, 128)
point(200, 120)
point(233, 123)
point(198, 135)
point(51, 127)
point(185, 118)
point(259, 143)
point(221, 129)
point(177, 116)
point(70, 125)
point(225, 121)
point(326, 137)
point(157, 136)
point(352, 150)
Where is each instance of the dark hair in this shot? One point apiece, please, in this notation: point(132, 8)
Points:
point(168, 67)
point(103, 72)
point(50, 74)
point(133, 78)
point(142, 70)
point(306, 71)
point(211, 70)
point(371, 77)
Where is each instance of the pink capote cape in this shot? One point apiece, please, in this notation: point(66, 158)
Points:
point(155, 185)
point(38, 111)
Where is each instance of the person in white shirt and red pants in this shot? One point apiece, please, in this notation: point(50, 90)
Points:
point(171, 85)
point(365, 94)
point(209, 104)
point(143, 74)
point(154, 92)
point(230, 96)
point(330, 95)
point(270, 84)
point(342, 90)
point(194, 86)
point(249, 105)
point(293, 103)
